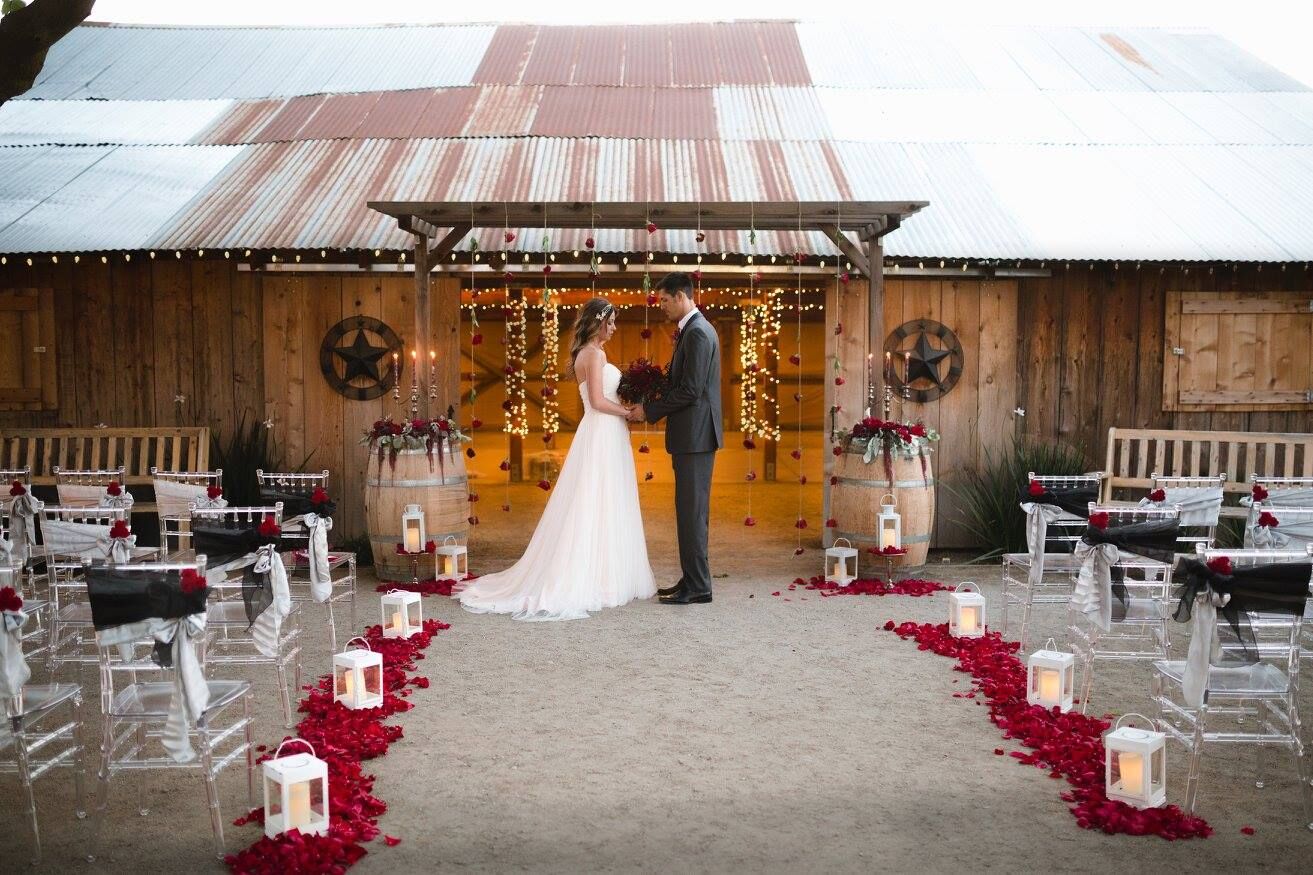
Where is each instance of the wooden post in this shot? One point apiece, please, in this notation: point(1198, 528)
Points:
point(423, 338)
point(846, 343)
point(875, 316)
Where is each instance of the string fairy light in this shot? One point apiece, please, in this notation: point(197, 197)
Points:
point(551, 334)
point(475, 338)
point(797, 396)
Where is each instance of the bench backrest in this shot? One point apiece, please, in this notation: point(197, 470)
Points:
point(136, 449)
point(1134, 454)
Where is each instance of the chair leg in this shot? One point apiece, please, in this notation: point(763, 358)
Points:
point(250, 751)
point(1025, 617)
point(1196, 753)
point(1086, 682)
point(285, 693)
point(211, 790)
point(102, 789)
point(332, 625)
point(25, 778)
point(1006, 601)
point(1260, 766)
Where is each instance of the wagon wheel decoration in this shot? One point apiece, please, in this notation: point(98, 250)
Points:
point(356, 357)
point(935, 361)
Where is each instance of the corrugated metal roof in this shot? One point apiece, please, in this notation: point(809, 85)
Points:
point(79, 198)
point(1027, 142)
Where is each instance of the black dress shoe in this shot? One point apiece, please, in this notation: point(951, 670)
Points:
point(685, 598)
point(666, 591)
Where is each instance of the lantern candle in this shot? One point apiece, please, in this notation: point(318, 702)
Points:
point(298, 806)
point(966, 611)
point(1131, 769)
point(1135, 765)
point(398, 622)
point(349, 684)
point(412, 528)
point(454, 556)
point(967, 623)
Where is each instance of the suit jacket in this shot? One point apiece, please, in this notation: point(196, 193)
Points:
point(692, 404)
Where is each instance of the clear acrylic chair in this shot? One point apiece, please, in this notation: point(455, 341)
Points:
point(27, 576)
point(1283, 491)
point(1053, 559)
point(1293, 529)
point(1141, 633)
point(229, 641)
point(175, 514)
point(1200, 499)
point(71, 631)
point(1258, 702)
point(41, 733)
point(341, 564)
point(135, 699)
point(84, 488)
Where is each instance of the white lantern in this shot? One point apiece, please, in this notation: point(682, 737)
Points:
point(402, 614)
point(454, 556)
point(1050, 677)
point(295, 792)
point(966, 612)
point(836, 562)
point(889, 524)
point(358, 677)
point(412, 529)
point(1135, 765)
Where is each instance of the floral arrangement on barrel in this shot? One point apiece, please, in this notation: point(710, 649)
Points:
point(872, 436)
point(389, 438)
point(641, 382)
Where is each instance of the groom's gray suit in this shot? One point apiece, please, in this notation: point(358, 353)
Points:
point(694, 432)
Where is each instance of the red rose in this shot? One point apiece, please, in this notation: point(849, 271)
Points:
point(834, 481)
point(547, 268)
point(797, 396)
point(506, 405)
point(750, 476)
point(802, 481)
point(838, 328)
point(651, 227)
point(476, 339)
point(648, 476)
point(113, 488)
point(651, 300)
point(547, 437)
point(749, 444)
point(506, 508)
point(800, 524)
point(473, 496)
point(430, 547)
point(505, 465)
point(749, 521)
point(796, 454)
point(1220, 565)
point(701, 236)
point(10, 600)
point(319, 496)
point(1267, 521)
point(839, 381)
point(798, 257)
point(1259, 493)
point(191, 581)
point(1099, 520)
point(1035, 489)
point(797, 551)
point(401, 550)
point(544, 485)
point(844, 277)
point(918, 430)
point(646, 333)
point(644, 448)
point(508, 276)
point(444, 426)
point(120, 529)
point(17, 488)
point(509, 236)
point(1158, 495)
point(589, 243)
point(838, 450)
point(214, 492)
point(469, 452)
point(795, 359)
point(269, 528)
point(418, 425)
point(832, 523)
point(508, 370)
point(475, 423)
point(697, 276)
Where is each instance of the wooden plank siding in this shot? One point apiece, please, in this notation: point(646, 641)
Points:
point(1081, 350)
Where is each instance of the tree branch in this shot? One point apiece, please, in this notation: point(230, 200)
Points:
point(27, 34)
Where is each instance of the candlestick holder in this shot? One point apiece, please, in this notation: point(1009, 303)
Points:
point(414, 570)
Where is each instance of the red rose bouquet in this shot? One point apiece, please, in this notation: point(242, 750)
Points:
point(389, 438)
point(873, 436)
point(642, 382)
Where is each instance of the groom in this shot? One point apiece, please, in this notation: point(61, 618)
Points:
point(693, 432)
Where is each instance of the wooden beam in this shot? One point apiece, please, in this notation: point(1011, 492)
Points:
point(875, 329)
point(718, 215)
point(414, 225)
point(847, 247)
point(444, 246)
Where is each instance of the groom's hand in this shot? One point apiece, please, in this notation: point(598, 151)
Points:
point(636, 414)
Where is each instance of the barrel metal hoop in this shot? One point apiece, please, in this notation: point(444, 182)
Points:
point(860, 536)
point(411, 484)
point(882, 484)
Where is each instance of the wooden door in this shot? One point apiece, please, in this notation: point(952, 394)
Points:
point(27, 355)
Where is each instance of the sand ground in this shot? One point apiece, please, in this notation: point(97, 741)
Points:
point(759, 733)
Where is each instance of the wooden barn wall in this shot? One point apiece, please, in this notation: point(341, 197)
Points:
point(1080, 350)
point(1090, 344)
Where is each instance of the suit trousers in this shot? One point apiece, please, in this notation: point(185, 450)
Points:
point(692, 512)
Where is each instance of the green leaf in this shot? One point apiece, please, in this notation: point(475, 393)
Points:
point(11, 6)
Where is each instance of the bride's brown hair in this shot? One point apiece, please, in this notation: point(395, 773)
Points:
point(588, 321)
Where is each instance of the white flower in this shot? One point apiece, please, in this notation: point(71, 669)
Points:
point(179, 399)
point(100, 425)
point(268, 423)
point(1020, 411)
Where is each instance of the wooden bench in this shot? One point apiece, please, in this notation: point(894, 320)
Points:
point(137, 449)
point(1136, 453)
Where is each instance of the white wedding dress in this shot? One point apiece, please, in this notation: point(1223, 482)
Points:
point(588, 551)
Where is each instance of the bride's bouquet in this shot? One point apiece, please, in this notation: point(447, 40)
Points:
point(642, 382)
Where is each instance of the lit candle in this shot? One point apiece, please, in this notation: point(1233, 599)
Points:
point(397, 621)
point(348, 684)
point(838, 569)
point(968, 621)
point(298, 805)
point(907, 364)
point(1131, 767)
point(414, 369)
point(1050, 686)
point(449, 565)
point(887, 537)
point(412, 539)
point(888, 365)
point(433, 369)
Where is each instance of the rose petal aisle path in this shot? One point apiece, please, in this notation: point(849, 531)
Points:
point(755, 734)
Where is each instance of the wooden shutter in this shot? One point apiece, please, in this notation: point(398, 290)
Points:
point(1238, 351)
point(27, 350)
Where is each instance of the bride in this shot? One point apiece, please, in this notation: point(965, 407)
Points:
point(588, 551)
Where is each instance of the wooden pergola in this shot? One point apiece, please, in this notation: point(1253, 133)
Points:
point(856, 227)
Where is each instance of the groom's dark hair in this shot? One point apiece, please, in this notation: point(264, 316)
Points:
point(676, 283)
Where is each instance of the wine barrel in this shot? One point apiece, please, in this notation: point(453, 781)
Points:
point(855, 500)
point(438, 485)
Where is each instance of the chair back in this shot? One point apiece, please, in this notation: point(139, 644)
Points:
point(173, 504)
point(7, 477)
point(1125, 515)
point(1200, 499)
point(1276, 636)
point(83, 488)
point(64, 531)
point(236, 517)
point(1295, 491)
point(1092, 479)
point(1293, 529)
